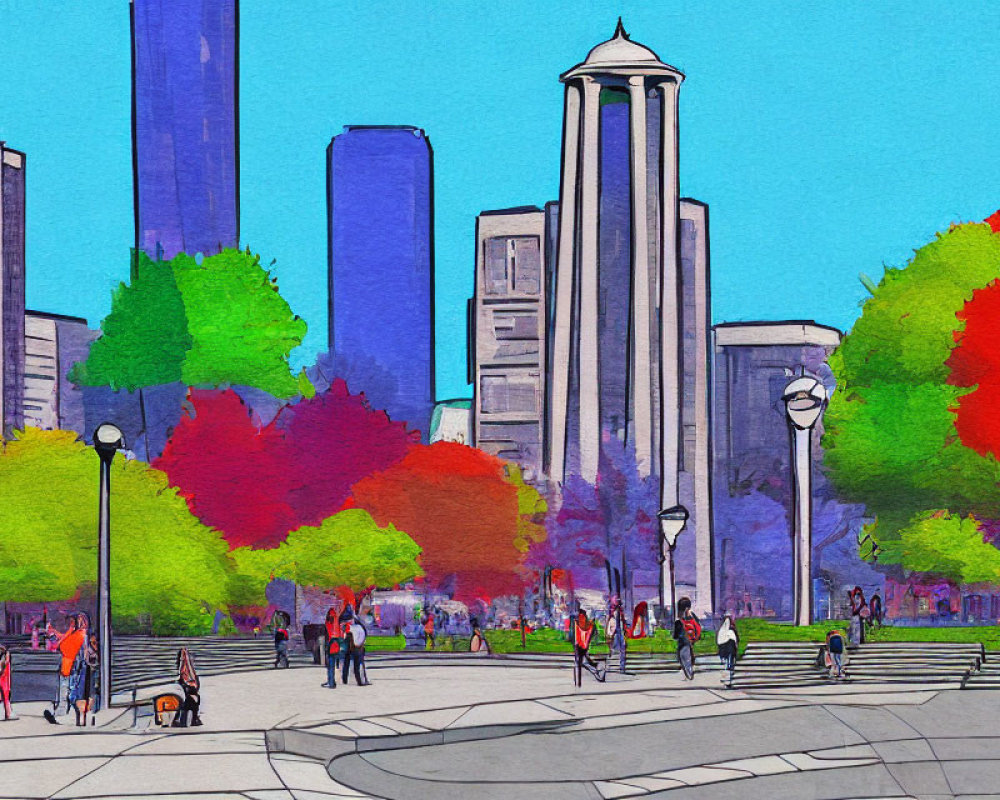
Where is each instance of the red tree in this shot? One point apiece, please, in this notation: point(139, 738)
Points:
point(455, 503)
point(257, 482)
point(975, 362)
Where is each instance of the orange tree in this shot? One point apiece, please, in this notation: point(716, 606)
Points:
point(471, 514)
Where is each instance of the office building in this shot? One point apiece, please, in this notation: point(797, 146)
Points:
point(381, 268)
point(52, 344)
point(186, 123)
point(13, 166)
point(508, 346)
point(752, 475)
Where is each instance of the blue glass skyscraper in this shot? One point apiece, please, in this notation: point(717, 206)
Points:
point(185, 125)
point(380, 209)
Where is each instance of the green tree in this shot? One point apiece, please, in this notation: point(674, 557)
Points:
point(212, 321)
point(145, 337)
point(890, 438)
point(164, 562)
point(347, 549)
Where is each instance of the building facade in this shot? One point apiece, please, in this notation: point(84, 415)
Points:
point(13, 166)
point(52, 344)
point(186, 122)
point(752, 476)
point(508, 346)
point(629, 327)
point(381, 268)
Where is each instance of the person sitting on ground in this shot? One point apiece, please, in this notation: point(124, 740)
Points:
point(187, 677)
point(478, 643)
point(728, 641)
point(6, 671)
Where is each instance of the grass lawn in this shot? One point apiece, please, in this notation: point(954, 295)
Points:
point(989, 635)
point(547, 640)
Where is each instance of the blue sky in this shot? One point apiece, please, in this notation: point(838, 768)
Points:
point(827, 139)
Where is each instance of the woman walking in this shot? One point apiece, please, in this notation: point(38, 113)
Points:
point(687, 631)
point(582, 637)
point(728, 641)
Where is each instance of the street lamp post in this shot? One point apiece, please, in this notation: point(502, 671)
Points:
point(804, 400)
point(108, 439)
point(672, 522)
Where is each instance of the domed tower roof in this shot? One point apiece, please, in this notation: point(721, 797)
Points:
point(619, 55)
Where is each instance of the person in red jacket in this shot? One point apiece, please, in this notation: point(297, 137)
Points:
point(334, 645)
point(5, 674)
point(582, 636)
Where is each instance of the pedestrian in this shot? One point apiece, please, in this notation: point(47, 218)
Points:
point(835, 646)
point(190, 684)
point(334, 645)
point(281, 640)
point(478, 643)
point(728, 641)
point(6, 671)
point(83, 679)
point(615, 632)
point(640, 622)
point(355, 635)
point(859, 615)
point(429, 630)
point(68, 645)
point(876, 608)
point(687, 631)
point(582, 636)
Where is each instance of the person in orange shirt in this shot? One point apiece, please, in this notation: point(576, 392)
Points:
point(69, 645)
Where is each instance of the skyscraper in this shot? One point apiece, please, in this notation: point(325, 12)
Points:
point(381, 267)
point(629, 353)
point(185, 125)
point(12, 202)
point(509, 321)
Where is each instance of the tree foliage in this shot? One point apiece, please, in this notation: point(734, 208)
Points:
point(890, 436)
point(257, 482)
point(164, 561)
point(347, 549)
point(473, 520)
point(212, 321)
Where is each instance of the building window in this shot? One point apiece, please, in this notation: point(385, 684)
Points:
point(508, 325)
point(513, 265)
point(504, 394)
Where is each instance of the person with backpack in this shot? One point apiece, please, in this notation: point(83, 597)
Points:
point(190, 684)
point(355, 634)
point(687, 631)
point(583, 634)
point(835, 646)
point(728, 641)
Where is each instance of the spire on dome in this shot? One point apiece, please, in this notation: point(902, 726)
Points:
point(620, 31)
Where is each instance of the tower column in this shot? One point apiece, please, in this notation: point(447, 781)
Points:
point(669, 299)
point(642, 425)
point(563, 311)
point(590, 400)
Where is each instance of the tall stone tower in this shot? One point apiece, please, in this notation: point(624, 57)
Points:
point(623, 306)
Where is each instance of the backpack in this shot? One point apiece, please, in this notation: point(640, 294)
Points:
point(692, 628)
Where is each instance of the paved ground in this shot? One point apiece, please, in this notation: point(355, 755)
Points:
point(464, 731)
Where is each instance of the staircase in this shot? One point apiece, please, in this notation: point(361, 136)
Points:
point(138, 661)
point(775, 665)
point(988, 676)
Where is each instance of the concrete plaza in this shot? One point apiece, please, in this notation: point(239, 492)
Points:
point(516, 732)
